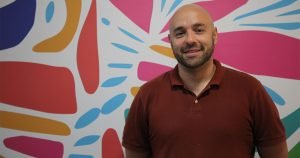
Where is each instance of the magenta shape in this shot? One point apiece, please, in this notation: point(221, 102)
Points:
point(138, 11)
point(220, 8)
point(111, 145)
point(35, 147)
point(148, 70)
point(217, 8)
point(261, 53)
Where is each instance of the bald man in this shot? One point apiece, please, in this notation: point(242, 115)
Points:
point(201, 109)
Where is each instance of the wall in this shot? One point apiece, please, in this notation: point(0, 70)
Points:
point(70, 69)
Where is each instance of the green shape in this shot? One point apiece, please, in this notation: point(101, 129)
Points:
point(295, 152)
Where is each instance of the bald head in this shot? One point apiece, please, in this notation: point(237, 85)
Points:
point(186, 11)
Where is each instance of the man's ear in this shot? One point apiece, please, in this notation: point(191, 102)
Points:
point(169, 37)
point(215, 35)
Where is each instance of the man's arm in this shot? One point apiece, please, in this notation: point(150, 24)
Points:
point(274, 151)
point(134, 154)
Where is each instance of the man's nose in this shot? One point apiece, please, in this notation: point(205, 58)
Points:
point(190, 38)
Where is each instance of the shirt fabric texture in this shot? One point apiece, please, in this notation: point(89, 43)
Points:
point(231, 116)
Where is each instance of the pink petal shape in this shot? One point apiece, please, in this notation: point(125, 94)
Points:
point(217, 8)
point(139, 11)
point(87, 52)
point(261, 53)
point(111, 146)
point(220, 8)
point(39, 87)
point(148, 70)
point(35, 147)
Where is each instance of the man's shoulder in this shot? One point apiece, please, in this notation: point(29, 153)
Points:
point(239, 76)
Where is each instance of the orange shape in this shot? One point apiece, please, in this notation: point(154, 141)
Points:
point(61, 40)
point(163, 50)
point(30, 123)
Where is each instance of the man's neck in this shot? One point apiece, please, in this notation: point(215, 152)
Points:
point(196, 79)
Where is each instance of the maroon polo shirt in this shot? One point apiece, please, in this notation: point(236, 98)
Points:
point(228, 119)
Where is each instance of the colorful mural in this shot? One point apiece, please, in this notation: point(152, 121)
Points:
point(70, 69)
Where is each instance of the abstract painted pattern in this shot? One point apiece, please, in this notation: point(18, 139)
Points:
point(70, 69)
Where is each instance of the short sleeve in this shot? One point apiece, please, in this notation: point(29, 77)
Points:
point(135, 134)
point(268, 128)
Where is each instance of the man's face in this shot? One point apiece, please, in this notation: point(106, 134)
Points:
point(192, 37)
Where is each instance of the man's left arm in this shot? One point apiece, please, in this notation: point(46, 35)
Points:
point(274, 151)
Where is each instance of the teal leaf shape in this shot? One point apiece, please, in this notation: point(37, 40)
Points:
point(126, 113)
point(113, 103)
point(87, 118)
point(291, 122)
point(114, 81)
point(87, 140)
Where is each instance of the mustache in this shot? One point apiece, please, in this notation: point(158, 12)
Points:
point(191, 47)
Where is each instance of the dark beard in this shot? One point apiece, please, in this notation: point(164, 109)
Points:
point(206, 56)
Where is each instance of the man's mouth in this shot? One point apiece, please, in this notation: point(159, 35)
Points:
point(191, 51)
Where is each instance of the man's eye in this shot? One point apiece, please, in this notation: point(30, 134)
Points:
point(199, 30)
point(179, 34)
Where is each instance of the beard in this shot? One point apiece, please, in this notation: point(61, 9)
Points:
point(207, 54)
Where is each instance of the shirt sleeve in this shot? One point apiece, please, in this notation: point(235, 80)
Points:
point(268, 128)
point(135, 134)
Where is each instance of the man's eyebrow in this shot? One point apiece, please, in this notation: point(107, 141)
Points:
point(178, 29)
point(199, 25)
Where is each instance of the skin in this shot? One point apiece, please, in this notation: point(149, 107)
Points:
point(193, 37)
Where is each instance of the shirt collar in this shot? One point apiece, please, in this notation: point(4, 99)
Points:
point(215, 81)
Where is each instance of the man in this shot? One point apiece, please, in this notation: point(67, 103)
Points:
point(201, 109)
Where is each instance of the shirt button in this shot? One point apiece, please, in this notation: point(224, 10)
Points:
point(196, 101)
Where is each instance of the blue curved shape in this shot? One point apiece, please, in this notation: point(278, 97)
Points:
point(49, 11)
point(280, 4)
point(131, 35)
point(291, 122)
point(125, 48)
point(87, 140)
point(284, 26)
point(16, 20)
point(105, 21)
point(113, 103)
point(114, 81)
point(87, 118)
point(80, 156)
point(119, 65)
point(275, 96)
point(294, 12)
point(174, 5)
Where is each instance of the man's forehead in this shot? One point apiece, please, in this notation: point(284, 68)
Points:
point(194, 13)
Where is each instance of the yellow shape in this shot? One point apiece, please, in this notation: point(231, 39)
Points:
point(61, 40)
point(134, 90)
point(32, 124)
point(163, 50)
